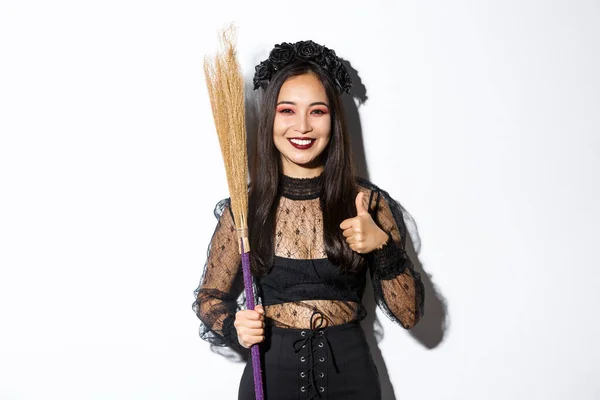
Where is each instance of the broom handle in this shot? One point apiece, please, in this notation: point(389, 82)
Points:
point(256, 367)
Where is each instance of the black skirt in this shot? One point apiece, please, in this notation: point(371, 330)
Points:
point(301, 364)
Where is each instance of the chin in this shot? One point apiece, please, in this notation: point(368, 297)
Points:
point(310, 164)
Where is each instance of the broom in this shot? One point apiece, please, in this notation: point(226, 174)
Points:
point(226, 91)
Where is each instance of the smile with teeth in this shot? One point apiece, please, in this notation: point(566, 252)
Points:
point(302, 142)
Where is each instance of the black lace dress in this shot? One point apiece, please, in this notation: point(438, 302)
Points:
point(307, 299)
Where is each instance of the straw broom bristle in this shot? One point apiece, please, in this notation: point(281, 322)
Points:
point(225, 84)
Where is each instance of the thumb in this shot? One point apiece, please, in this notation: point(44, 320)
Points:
point(361, 207)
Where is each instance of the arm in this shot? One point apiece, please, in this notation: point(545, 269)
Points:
point(221, 283)
point(397, 287)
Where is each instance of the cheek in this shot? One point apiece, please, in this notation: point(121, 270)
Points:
point(323, 123)
point(278, 135)
point(280, 125)
point(277, 129)
point(325, 128)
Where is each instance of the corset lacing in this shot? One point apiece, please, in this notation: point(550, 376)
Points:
point(317, 331)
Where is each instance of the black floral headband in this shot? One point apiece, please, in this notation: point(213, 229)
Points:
point(287, 53)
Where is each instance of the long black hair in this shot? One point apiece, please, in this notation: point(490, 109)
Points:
point(339, 185)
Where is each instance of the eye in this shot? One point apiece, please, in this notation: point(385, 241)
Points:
point(319, 111)
point(285, 111)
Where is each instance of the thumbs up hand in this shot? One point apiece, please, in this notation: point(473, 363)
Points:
point(361, 232)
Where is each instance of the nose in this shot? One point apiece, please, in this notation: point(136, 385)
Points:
point(303, 125)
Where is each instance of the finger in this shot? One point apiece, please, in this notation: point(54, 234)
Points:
point(347, 223)
point(249, 342)
point(361, 206)
point(259, 309)
point(356, 238)
point(249, 333)
point(252, 324)
point(255, 315)
point(349, 232)
point(250, 315)
point(357, 247)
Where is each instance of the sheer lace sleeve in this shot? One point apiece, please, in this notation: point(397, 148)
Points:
point(397, 286)
point(221, 284)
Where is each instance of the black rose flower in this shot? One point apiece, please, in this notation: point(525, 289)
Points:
point(308, 49)
point(282, 54)
point(342, 78)
point(328, 60)
point(262, 73)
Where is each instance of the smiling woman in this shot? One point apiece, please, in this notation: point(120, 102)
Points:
point(302, 126)
point(315, 232)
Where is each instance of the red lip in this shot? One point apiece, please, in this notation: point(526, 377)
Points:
point(302, 147)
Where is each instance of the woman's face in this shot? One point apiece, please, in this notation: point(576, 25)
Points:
point(302, 126)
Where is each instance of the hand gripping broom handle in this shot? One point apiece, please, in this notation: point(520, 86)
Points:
point(256, 367)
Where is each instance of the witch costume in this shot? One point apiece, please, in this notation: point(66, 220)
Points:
point(314, 345)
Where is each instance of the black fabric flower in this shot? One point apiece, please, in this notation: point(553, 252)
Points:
point(281, 55)
point(342, 78)
point(328, 59)
point(262, 74)
point(307, 50)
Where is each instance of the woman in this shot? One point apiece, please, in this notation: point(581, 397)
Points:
point(315, 231)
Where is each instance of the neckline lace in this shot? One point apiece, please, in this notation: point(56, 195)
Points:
point(301, 188)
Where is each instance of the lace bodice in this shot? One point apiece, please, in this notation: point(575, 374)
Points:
point(302, 279)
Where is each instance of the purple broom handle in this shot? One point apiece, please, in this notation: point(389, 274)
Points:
point(256, 367)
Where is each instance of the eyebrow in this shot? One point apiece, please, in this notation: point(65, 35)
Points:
point(316, 103)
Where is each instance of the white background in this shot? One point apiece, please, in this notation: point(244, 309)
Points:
point(482, 119)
